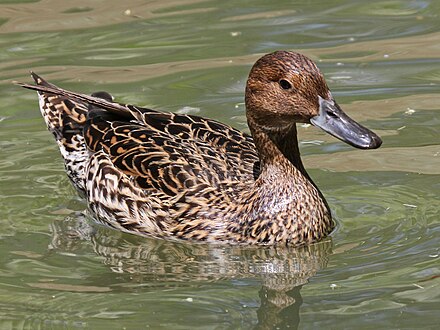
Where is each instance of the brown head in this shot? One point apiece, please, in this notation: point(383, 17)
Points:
point(285, 87)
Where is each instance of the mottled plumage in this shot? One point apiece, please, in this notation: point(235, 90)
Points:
point(180, 176)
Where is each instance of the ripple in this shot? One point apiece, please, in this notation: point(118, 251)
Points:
point(394, 7)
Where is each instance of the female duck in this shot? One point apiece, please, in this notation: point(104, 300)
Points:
point(179, 176)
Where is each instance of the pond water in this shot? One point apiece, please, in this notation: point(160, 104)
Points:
point(379, 269)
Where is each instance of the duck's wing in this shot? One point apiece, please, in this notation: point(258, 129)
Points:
point(164, 151)
point(172, 152)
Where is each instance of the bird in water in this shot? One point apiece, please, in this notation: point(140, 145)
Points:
point(178, 176)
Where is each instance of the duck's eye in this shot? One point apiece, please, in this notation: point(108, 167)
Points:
point(285, 84)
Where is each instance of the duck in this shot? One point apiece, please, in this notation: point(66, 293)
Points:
point(185, 177)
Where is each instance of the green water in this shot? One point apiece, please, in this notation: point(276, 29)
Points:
point(379, 270)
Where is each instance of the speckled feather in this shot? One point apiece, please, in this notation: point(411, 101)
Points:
point(179, 176)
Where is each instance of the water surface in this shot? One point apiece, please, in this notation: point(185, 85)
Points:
point(380, 268)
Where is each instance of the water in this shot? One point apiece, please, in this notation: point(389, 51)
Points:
point(380, 269)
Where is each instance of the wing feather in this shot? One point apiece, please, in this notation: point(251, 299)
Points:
point(158, 150)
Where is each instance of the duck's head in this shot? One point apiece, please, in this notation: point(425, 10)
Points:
point(285, 87)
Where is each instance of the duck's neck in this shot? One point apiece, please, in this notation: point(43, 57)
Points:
point(278, 148)
point(284, 204)
point(279, 153)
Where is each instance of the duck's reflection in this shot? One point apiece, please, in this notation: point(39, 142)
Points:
point(282, 271)
point(279, 308)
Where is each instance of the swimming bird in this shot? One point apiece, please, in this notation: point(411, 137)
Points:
point(178, 176)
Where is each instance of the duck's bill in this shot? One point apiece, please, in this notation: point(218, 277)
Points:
point(335, 122)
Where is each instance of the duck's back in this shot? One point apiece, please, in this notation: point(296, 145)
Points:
point(171, 153)
point(163, 154)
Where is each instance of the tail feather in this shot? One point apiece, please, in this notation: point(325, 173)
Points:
point(99, 99)
point(65, 114)
point(40, 81)
point(65, 119)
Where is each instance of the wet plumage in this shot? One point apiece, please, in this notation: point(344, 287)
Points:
point(178, 176)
